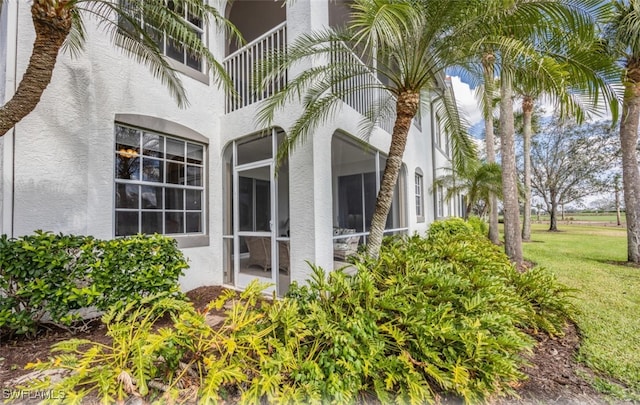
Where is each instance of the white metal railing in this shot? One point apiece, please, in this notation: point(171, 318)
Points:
point(241, 65)
point(367, 85)
point(365, 234)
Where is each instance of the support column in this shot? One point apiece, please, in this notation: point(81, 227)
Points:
point(311, 206)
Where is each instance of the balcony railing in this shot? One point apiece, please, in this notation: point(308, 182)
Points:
point(367, 85)
point(241, 66)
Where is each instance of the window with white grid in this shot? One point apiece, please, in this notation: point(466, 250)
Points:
point(159, 183)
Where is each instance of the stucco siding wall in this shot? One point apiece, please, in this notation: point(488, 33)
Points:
point(64, 167)
point(64, 150)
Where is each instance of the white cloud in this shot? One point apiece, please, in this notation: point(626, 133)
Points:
point(467, 103)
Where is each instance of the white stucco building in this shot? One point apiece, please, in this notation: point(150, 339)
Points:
point(108, 153)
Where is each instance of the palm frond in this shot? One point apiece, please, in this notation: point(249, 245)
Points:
point(135, 25)
point(455, 126)
point(74, 43)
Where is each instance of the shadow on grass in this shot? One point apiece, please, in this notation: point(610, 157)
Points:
point(620, 263)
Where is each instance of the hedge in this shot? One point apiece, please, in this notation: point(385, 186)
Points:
point(47, 278)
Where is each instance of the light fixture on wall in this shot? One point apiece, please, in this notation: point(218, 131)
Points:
point(128, 153)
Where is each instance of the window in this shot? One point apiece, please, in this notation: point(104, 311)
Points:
point(159, 183)
point(440, 202)
point(419, 195)
point(437, 131)
point(357, 173)
point(442, 139)
point(169, 46)
point(463, 205)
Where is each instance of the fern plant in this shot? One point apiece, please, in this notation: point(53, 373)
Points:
point(444, 315)
point(116, 371)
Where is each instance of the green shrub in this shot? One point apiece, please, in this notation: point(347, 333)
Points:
point(550, 307)
point(49, 277)
point(189, 361)
point(545, 301)
point(479, 225)
point(450, 226)
point(430, 316)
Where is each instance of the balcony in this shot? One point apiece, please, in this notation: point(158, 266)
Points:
point(241, 64)
point(368, 90)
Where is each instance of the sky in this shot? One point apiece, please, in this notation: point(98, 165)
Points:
point(465, 97)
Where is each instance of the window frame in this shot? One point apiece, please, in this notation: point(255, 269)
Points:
point(440, 202)
point(419, 194)
point(181, 66)
point(168, 130)
point(399, 217)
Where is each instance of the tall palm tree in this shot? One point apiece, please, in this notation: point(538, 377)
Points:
point(571, 64)
point(59, 25)
point(411, 43)
point(478, 181)
point(527, 114)
point(511, 208)
point(488, 60)
point(623, 35)
point(530, 50)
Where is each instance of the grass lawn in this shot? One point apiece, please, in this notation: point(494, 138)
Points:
point(608, 295)
point(611, 218)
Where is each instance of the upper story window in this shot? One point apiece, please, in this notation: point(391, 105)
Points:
point(419, 193)
point(439, 202)
point(441, 137)
point(169, 46)
point(159, 183)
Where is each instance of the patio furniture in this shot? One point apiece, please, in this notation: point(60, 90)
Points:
point(345, 246)
point(283, 256)
point(260, 252)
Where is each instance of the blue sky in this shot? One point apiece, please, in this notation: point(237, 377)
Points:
point(468, 105)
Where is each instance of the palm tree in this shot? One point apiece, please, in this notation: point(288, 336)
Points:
point(411, 43)
point(571, 64)
point(478, 181)
point(488, 97)
point(541, 54)
point(623, 35)
point(527, 114)
point(59, 25)
point(616, 191)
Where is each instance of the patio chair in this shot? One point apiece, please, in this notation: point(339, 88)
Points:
point(283, 256)
point(259, 251)
point(347, 246)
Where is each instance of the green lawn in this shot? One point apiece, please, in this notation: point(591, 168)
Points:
point(610, 218)
point(608, 295)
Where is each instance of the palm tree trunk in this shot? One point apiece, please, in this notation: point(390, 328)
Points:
point(488, 75)
point(512, 235)
point(406, 108)
point(628, 143)
point(527, 113)
point(467, 211)
point(617, 194)
point(52, 23)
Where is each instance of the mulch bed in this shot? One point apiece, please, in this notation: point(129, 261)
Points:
point(553, 374)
